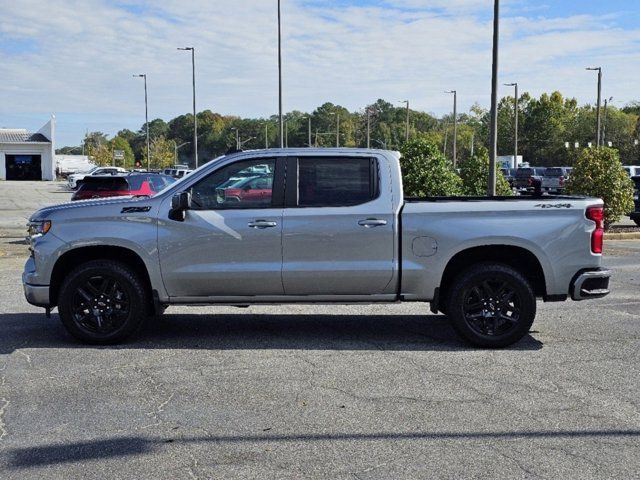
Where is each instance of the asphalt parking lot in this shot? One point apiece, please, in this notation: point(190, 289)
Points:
point(357, 392)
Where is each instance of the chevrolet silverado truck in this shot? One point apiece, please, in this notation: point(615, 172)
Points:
point(321, 226)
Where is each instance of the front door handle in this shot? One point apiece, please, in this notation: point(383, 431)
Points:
point(262, 224)
point(372, 222)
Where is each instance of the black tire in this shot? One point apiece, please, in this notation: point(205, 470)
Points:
point(103, 302)
point(491, 305)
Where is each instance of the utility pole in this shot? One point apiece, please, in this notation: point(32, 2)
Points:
point(515, 123)
point(266, 135)
point(286, 134)
point(337, 129)
point(598, 131)
point(280, 78)
point(406, 133)
point(604, 124)
point(146, 118)
point(493, 140)
point(309, 120)
point(368, 128)
point(455, 127)
point(195, 117)
point(473, 138)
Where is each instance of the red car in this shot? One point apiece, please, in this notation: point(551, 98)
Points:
point(122, 185)
point(253, 190)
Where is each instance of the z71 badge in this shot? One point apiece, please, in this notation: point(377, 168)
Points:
point(553, 205)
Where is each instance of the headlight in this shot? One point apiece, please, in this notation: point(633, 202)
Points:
point(38, 228)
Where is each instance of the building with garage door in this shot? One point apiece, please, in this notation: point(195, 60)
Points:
point(28, 156)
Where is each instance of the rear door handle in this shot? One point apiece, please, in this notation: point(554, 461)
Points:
point(262, 224)
point(372, 222)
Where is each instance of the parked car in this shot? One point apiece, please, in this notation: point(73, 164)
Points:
point(509, 175)
point(635, 215)
point(529, 179)
point(336, 229)
point(122, 185)
point(75, 179)
point(554, 178)
point(632, 170)
point(248, 189)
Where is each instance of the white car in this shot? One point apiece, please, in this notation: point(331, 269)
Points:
point(78, 177)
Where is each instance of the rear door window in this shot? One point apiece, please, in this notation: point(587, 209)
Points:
point(336, 181)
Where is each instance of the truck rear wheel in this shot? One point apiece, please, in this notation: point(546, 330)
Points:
point(102, 302)
point(491, 305)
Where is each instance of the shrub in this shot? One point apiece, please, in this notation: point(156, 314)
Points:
point(475, 176)
point(599, 173)
point(426, 172)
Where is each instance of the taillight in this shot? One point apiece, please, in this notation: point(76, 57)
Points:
point(597, 215)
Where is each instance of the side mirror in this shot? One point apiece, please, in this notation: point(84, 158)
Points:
point(180, 203)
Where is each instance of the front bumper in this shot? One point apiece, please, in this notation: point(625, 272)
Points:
point(590, 284)
point(37, 295)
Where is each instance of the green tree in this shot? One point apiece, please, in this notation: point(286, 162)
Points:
point(100, 154)
point(121, 143)
point(475, 176)
point(426, 172)
point(599, 173)
point(162, 153)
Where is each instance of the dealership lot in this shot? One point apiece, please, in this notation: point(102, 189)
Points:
point(316, 391)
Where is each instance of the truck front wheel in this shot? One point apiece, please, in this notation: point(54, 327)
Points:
point(491, 305)
point(102, 302)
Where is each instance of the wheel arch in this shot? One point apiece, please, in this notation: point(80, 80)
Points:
point(518, 258)
point(72, 258)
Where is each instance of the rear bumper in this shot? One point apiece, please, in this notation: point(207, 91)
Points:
point(37, 295)
point(590, 284)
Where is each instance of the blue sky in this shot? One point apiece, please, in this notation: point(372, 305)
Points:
point(76, 58)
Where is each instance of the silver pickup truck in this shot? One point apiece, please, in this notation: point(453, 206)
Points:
point(312, 226)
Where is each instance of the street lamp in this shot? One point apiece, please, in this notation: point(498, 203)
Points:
point(146, 118)
point(309, 129)
point(493, 140)
point(245, 141)
point(599, 70)
point(515, 121)
point(406, 133)
point(368, 127)
point(280, 77)
point(195, 118)
point(455, 127)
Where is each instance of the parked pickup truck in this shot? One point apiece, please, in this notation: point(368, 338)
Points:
point(329, 226)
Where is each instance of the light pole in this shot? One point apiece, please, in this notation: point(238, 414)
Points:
point(337, 114)
point(237, 137)
point(515, 123)
point(599, 70)
point(266, 135)
point(146, 118)
point(286, 134)
point(604, 124)
point(280, 78)
point(245, 141)
point(176, 147)
point(368, 128)
point(309, 129)
point(406, 133)
point(493, 140)
point(455, 127)
point(195, 117)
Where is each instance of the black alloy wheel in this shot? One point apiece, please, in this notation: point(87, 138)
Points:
point(100, 305)
point(491, 305)
point(103, 302)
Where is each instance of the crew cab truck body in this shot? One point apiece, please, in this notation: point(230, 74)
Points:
point(335, 228)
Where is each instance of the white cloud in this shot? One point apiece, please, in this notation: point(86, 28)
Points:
point(79, 56)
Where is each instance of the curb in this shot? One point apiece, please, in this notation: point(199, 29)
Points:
point(622, 236)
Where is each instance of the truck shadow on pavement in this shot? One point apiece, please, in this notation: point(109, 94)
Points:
point(259, 331)
point(132, 446)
